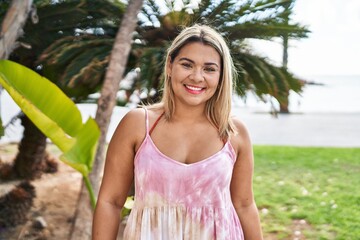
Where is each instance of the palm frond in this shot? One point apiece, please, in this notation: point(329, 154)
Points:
point(77, 64)
point(264, 31)
point(294, 83)
point(254, 71)
point(151, 65)
point(281, 82)
point(67, 18)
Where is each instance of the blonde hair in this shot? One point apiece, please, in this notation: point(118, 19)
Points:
point(218, 107)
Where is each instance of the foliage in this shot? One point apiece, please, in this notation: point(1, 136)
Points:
point(66, 56)
point(77, 35)
point(238, 21)
point(75, 19)
point(71, 21)
point(314, 184)
point(78, 61)
point(51, 110)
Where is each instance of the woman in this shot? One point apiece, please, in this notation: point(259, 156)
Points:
point(192, 163)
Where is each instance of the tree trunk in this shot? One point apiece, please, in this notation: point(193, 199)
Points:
point(11, 29)
point(30, 160)
point(285, 50)
point(114, 74)
point(106, 103)
point(284, 105)
point(12, 25)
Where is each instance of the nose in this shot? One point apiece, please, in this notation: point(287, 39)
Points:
point(197, 75)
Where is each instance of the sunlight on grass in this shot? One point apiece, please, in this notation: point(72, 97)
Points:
point(317, 186)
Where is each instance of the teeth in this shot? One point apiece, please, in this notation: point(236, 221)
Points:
point(194, 88)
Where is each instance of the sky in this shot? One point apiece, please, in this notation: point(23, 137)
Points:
point(333, 46)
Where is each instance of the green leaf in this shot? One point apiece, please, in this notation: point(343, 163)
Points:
point(42, 94)
point(53, 113)
point(81, 155)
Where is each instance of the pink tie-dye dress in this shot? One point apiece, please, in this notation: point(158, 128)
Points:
point(176, 201)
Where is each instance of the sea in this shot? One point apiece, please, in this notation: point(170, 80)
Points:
point(324, 94)
point(328, 110)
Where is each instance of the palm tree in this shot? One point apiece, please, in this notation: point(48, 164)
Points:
point(11, 27)
point(238, 21)
point(62, 20)
point(12, 24)
point(161, 21)
point(284, 106)
point(106, 103)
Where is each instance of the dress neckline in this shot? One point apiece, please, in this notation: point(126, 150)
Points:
point(207, 159)
point(227, 144)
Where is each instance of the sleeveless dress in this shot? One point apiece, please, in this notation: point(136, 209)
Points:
point(177, 201)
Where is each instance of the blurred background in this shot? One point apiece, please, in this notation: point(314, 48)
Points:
point(329, 104)
point(327, 57)
point(298, 92)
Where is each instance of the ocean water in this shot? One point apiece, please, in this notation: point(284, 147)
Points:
point(330, 110)
point(334, 94)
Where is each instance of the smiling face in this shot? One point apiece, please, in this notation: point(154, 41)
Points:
point(195, 73)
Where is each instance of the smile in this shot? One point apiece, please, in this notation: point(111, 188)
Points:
point(194, 89)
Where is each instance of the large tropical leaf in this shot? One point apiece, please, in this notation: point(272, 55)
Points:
point(53, 113)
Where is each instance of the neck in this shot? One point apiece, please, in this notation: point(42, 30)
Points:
point(189, 114)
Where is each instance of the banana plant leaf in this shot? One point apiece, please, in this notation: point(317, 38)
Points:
point(54, 114)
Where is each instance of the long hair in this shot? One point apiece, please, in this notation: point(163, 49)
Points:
point(218, 107)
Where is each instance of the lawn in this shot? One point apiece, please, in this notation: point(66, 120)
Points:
point(314, 187)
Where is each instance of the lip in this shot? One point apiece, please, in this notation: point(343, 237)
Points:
point(194, 89)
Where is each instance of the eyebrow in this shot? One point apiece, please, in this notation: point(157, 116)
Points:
point(207, 63)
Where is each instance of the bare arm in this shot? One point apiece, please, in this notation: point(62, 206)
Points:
point(118, 175)
point(241, 185)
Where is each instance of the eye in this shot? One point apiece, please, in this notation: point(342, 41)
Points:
point(186, 65)
point(209, 69)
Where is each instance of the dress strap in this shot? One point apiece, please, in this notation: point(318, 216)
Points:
point(156, 122)
point(146, 120)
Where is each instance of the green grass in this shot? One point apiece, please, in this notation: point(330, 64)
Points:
point(318, 185)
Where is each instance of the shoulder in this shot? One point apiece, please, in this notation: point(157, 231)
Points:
point(132, 125)
point(242, 132)
point(241, 138)
point(240, 126)
point(133, 118)
point(154, 111)
point(134, 122)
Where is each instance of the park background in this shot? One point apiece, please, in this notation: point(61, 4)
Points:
point(326, 115)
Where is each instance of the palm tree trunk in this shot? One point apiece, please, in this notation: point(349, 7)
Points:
point(285, 50)
point(30, 159)
point(284, 105)
point(11, 27)
point(118, 59)
point(115, 72)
